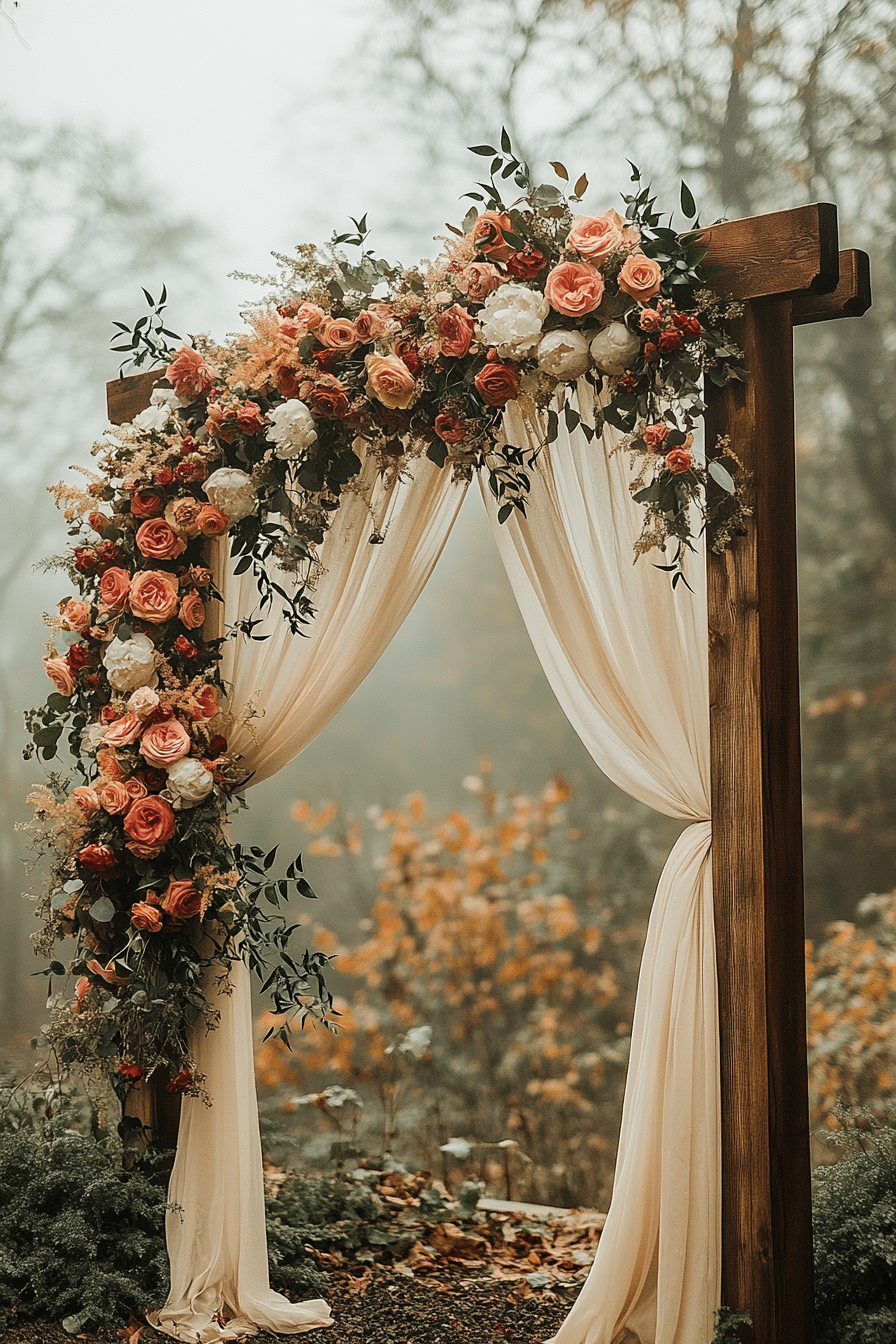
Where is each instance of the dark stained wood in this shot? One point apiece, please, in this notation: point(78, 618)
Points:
point(783, 254)
point(127, 397)
point(851, 298)
point(757, 855)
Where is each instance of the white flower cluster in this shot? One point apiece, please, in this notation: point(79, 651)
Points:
point(131, 663)
point(614, 348)
point(157, 414)
point(511, 319)
point(188, 783)
point(231, 491)
point(292, 428)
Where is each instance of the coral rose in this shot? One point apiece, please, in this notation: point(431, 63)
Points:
point(86, 800)
point(114, 797)
point(390, 381)
point(123, 732)
point(450, 426)
point(329, 398)
point(114, 588)
point(212, 522)
point(147, 504)
point(526, 263)
point(157, 540)
point(497, 383)
point(76, 615)
point(373, 323)
point(58, 671)
point(572, 288)
point(477, 280)
point(207, 702)
point(640, 277)
point(192, 610)
point(145, 917)
point(455, 328)
point(250, 418)
point(154, 596)
point(655, 435)
point(99, 858)
point(164, 743)
point(150, 825)
point(181, 900)
point(191, 376)
point(488, 235)
point(596, 237)
point(339, 334)
point(679, 460)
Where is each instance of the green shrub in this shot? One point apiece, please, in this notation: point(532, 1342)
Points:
point(333, 1213)
point(80, 1238)
point(854, 1215)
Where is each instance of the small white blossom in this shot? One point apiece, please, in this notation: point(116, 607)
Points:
point(564, 354)
point(130, 663)
point(615, 348)
point(292, 428)
point(163, 401)
point(231, 491)
point(511, 319)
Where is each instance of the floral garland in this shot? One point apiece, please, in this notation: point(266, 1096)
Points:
point(256, 440)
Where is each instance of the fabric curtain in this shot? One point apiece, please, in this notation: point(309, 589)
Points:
point(215, 1227)
point(627, 659)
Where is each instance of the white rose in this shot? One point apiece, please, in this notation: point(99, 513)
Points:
point(564, 354)
point(614, 349)
point(230, 490)
point(188, 783)
point(292, 428)
point(143, 702)
point(511, 319)
point(131, 663)
point(162, 402)
point(92, 736)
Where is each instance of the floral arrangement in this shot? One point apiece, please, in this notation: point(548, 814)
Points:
point(254, 441)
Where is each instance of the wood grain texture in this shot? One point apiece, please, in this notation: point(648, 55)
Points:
point(783, 254)
point(757, 855)
point(851, 298)
point(127, 397)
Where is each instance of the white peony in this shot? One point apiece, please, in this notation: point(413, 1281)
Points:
point(188, 783)
point(564, 354)
point(163, 401)
point(292, 428)
point(92, 737)
point(511, 319)
point(614, 349)
point(230, 490)
point(131, 663)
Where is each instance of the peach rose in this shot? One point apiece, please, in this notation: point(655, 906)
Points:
point(308, 316)
point(212, 522)
point(154, 595)
point(150, 824)
point(191, 376)
point(164, 743)
point(114, 797)
point(488, 235)
point(640, 277)
point(145, 917)
point(182, 515)
point(207, 702)
point(86, 800)
point(477, 280)
point(136, 789)
point(192, 610)
point(339, 334)
point(157, 540)
point(76, 616)
point(373, 323)
point(572, 288)
point(58, 671)
point(390, 381)
point(114, 588)
point(108, 763)
point(597, 237)
point(143, 701)
point(123, 731)
point(181, 900)
point(455, 328)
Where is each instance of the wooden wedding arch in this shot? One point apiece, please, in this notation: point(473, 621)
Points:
point(788, 270)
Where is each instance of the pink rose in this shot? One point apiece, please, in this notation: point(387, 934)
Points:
point(57, 670)
point(477, 280)
point(192, 610)
point(650, 320)
point(164, 743)
point(123, 732)
point(307, 316)
point(390, 381)
point(114, 588)
point(86, 800)
point(373, 323)
point(154, 596)
point(488, 235)
point(455, 328)
point(191, 376)
point(640, 277)
point(596, 237)
point(572, 288)
point(114, 797)
point(145, 917)
point(339, 334)
point(76, 616)
point(157, 540)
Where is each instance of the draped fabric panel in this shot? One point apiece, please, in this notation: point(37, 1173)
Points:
point(216, 1233)
point(626, 658)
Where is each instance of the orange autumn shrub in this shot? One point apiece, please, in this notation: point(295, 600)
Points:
point(483, 1002)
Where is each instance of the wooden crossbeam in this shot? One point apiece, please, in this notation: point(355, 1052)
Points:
point(788, 253)
point(851, 298)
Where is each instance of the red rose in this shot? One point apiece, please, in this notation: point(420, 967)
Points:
point(670, 339)
point(655, 435)
point(114, 587)
point(287, 382)
point(497, 383)
point(108, 714)
point(147, 504)
point(164, 476)
point(191, 469)
point(651, 352)
point(181, 900)
point(157, 540)
point(107, 552)
point(86, 560)
point(185, 648)
point(130, 1071)
point(329, 400)
point(526, 263)
point(678, 460)
point(180, 1084)
point(150, 824)
point(153, 781)
point(450, 426)
point(250, 418)
point(99, 859)
point(218, 745)
point(79, 656)
point(488, 235)
point(455, 327)
point(327, 359)
point(190, 375)
point(408, 355)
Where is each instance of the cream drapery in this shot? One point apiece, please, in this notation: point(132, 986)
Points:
point(626, 658)
point(216, 1234)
